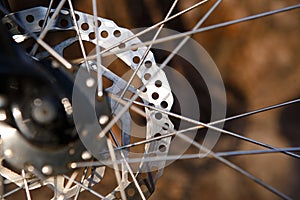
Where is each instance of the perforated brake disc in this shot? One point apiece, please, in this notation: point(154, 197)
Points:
point(158, 95)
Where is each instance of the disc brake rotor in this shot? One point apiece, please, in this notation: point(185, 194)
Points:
point(158, 95)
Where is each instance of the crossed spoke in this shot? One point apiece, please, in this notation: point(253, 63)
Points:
point(132, 103)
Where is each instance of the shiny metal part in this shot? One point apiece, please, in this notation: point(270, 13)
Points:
point(159, 96)
point(19, 153)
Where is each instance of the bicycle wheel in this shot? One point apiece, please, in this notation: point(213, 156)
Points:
point(90, 109)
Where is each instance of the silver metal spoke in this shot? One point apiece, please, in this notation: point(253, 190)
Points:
point(26, 185)
point(207, 28)
point(55, 189)
point(119, 155)
point(48, 26)
point(99, 69)
point(185, 156)
point(114, 77)
point(152, 27)
point(81, 182)
point(47, 14)
point(235, 167)
point(186, 38)
point(124, 161)
point(246, 114)
point(123, 110)
point(208, 153)
point(20, 187)
point(43, 44)
point(144, 56)
point(86, 188)
point(12, 192)
point(116, 168)
point(204, 125)
point(71, 180)
point(72, 12)
point(174, 52)
point(253, 152)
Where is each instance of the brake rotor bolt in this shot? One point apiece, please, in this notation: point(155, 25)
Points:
point(73, 165)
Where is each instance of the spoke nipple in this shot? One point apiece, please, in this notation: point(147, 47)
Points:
point(86, 155)
point(100, 93)
point(101, 135)
point(47, 170)
point(103, 119)
point(73, 165)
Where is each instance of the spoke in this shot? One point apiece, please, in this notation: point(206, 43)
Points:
point(246, 114)
point(123, 110)
point(26, 185)
point(256, 111)
point(11, 176)
point(43, 44)
point(42, 178)
point(186, 156)
point(152, 27)
point(133, 177)
point(86, 188)
point(202, 125)
point(116, 168)
point(235, 167)
point(144, 56)
point(128, 104)
point(48, 26)
point(12, 192)
point(252, 152)
point(47, 15)
point(180, 45)
point(114, 77)
point(71, 180)
point(55, 189)
point(207, 28)
point(208, 153)
point(186, 38)
point(78, 34)
point(99, 69)
point(124, 160)
point(81, 182)
point(32, 183)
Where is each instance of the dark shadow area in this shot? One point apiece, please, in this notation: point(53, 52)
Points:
point(290, 129)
